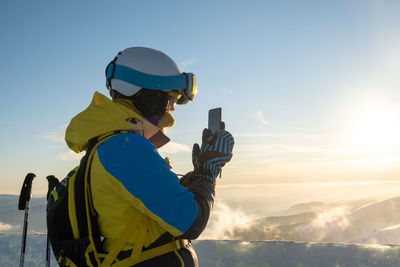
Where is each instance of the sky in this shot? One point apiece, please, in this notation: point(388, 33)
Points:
point(309, 89)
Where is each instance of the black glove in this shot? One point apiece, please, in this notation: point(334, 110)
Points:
point(216, 150)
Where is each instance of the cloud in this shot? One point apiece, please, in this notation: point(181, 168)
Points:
point(71, 156)
point(360, 221)
point(224, 221)
point(56, 137)
point(321, 155)
point(261, 118)
point(337, 217)
point(279, 135)
point(172, 147)
point(4, 227)
point(186, 63)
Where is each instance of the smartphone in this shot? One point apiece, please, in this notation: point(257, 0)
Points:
point(214, 119)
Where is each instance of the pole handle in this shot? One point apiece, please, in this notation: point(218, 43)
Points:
point(25, 194)
point(52, 183)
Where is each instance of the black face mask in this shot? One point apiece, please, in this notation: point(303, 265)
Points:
point(151, 103)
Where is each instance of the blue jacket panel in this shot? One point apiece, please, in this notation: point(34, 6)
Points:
point(135, 162)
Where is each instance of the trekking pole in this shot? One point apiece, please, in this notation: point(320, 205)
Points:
point(23, 204)
point(52, 182)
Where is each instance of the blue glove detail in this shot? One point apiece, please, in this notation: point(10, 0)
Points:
point(215, 152)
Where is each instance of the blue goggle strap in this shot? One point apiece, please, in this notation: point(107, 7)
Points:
point(149, 81)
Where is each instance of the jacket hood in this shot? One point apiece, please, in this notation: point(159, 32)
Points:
point(104, 116)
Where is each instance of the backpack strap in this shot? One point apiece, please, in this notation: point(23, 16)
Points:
point(138, 227)
point(92, 252)
point(154, 252)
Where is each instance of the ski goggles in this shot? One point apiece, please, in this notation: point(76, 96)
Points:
point(184, 83)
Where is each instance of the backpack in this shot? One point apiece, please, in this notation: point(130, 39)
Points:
point(72, 223)
point(71, 219)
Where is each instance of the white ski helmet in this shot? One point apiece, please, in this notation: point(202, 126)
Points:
point(140, 67)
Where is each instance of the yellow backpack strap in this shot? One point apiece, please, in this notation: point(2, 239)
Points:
point(152, 253)
point(138, 247)
point(72, 208)
point(66, 262)
point(90, 211)
point(54, 193)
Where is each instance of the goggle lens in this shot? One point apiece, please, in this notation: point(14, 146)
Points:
point(194, 87)
point(190, 92)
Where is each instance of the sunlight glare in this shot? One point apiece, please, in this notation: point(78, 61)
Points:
point(377, 128)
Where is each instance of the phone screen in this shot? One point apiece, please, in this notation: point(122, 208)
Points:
point(214, 119)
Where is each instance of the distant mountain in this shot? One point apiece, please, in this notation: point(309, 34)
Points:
point(272, 228)
point(306, 207)
point(213, 253)
point(344, 224)
point(228, 253)
point(327, 223)
point(14, 218)
point(317, 206)
point(389, 235)
point(374, 217)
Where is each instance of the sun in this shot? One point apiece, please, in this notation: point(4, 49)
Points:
point(377, 127)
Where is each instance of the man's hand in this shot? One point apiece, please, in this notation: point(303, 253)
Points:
point(215, 152)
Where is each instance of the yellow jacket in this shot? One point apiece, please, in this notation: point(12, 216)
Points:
point(128, 176)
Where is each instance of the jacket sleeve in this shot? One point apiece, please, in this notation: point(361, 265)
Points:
point(204, 193)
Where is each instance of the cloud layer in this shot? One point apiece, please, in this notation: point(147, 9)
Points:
point(376, 222)
point(57, 137)
point(71, 156)
point(4, 227)
point(261, 118)
point(172, 147)
point(186, 63)
point(224, 221)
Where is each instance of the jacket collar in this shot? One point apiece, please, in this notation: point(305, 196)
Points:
point(104, 116)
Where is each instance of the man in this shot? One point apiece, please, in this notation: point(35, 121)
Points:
point(144, 212)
